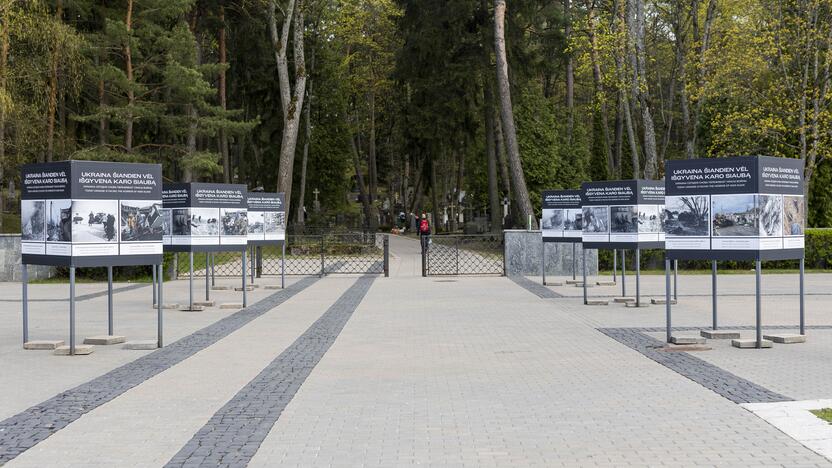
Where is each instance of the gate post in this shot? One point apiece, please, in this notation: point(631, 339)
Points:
point(386, 256)
point(323, 267)
point(424, 255)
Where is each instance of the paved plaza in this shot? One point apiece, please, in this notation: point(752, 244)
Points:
point(363, 370)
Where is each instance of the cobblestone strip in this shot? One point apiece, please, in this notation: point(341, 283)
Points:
point(234, 434)
point(718, 380)
point(537, 289)
point(30, 427)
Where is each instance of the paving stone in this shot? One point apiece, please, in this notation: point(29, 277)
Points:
point(640, 304)
point(662, 301)
point(49, 345)
point(622, 300)
point(719, 334)
point(204, 303)
point(141, 345)
point(105, 340)
point(534, 287)
point(193, 308)
point(574, 281)
point(553, 283)
point(80, 350)
point(240, 288)
point(786, 338)
point(750, 343)
point(250, 414)
point(220, 288)
point(605, 283)
point(28, 428)
point(167, 305)
point(687, 340)
point(597, 302)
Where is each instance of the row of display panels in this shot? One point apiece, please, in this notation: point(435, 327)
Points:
point(88, 213)
point(721, 222)
point(134, 227)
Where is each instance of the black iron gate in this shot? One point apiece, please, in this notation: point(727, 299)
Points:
point(311, 255)
point(463, 255)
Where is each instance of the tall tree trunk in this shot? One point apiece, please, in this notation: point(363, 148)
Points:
point(570, 73)
point(434, 194)
point(619, 134)
point(641, 96)
point(221, 84)
point(491, 153)
point(102, 103)
point(53, 89)
point(292, 101)
point(359, 180)
point(500, 147)
point(690, 144)
point(521, 193)
point(4, 60)
point(128, 65)
point(301, 218)
point(600, 100)
point(372, 165)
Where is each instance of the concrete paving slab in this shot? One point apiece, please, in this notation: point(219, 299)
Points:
point(49, 345)
point(141, 345)
point(751, 343)
point(719, 334)
point(786, 338)
point(105, 340)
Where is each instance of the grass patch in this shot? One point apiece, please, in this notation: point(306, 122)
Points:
point(825, 414)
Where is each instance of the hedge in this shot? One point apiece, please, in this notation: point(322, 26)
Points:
point(818, 256)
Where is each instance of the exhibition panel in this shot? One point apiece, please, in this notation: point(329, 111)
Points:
point(562, 215)
point(205, 217)
point(267, 218)
point(623, 214)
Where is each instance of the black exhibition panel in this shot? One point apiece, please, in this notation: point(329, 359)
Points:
point(266, 218)
point(561, 221)
point(736, 208)
point(205, 217)
point(91, 214)
point(622, 214)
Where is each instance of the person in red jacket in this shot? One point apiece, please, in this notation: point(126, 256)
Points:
point(424, 229)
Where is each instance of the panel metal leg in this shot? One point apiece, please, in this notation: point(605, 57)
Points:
point(759, 314)
point(25, 282)
point(159, 316)
point(213, 277)
point(623, 273)
point(154, 283)
point(191, 281)
point(244, 278)
point(614, 265)
point(675, 279)
point(207, 280)
point(667, 297)
point(110, 300)
point(283, 266)
point(583, 251)
point(71, 311)
point(573, 262)
point(638, 277)
point(714, 317)
point(253, 264)
point(802, 296)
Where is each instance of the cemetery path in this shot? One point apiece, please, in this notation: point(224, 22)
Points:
point(402, 371)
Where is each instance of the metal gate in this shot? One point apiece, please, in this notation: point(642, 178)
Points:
point(463, 255)
point(318, 255)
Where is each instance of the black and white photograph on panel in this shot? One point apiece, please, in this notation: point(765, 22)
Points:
point(735, 215)
point(687, 215)
point(58, 220)
point(256, 222)
point(771, 215)
point(166, 221)
point(94, 221)
point(624, 219)
point(649, 219)
point(275, 222)
point(596, 219)
point(141, 221)
point(203, 222)
point(553, 219)
point(180, 221)
point(573, 219)
point(234, 222)
point(794, 215)
point(32, 220)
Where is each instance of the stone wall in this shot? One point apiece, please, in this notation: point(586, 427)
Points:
point(10, 261)
point(523, 250)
